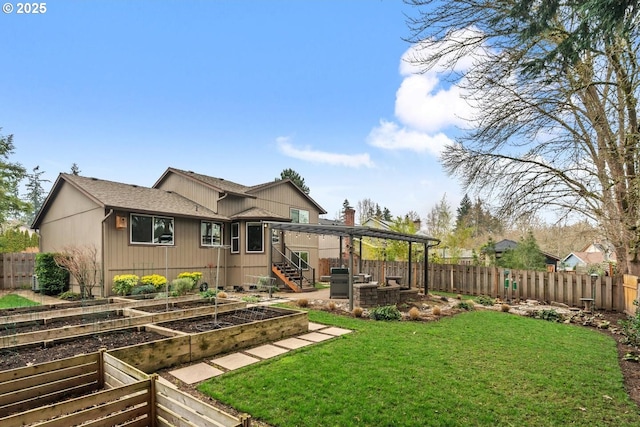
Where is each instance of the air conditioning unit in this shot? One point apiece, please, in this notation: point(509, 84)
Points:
point(121, 222)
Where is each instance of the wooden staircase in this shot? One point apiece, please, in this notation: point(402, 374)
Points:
point(291, 277)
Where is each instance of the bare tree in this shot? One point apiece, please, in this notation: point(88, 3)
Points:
point(561, 135)
point(82, 264)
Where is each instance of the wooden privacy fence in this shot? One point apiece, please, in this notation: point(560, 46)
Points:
point(631, 288)
point(97, 389)
point(566, 288)
point(562, 287)
point(16, 270)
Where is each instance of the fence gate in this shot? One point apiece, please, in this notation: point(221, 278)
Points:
point(16, 270)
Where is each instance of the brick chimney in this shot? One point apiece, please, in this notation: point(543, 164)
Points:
point(350, 216)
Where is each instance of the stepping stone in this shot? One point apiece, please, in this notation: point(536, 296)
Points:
point(315, 337)
point(336, 332)
point(196, 373)
point(292, 343)
point(316, 326)
point(266, 351)
point(234, 361)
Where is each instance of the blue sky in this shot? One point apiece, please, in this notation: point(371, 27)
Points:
point(234, 89)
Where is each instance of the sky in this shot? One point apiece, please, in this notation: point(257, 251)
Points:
point(239, 90)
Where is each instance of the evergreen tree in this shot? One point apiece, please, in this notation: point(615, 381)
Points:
point(10, 176)
point(35, 193)
point(525, 256)
point(463, 211)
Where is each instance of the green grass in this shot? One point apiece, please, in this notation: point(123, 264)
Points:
point(13, 301)
point(479, 368)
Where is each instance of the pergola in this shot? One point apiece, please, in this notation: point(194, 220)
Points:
point(354, 231)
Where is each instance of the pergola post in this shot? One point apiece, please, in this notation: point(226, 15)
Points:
point(351, 273)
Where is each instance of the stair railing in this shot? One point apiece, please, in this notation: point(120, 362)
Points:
point(302, 267)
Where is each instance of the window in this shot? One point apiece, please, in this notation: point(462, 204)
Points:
point(300, 259)
point(300, 216)
point(255, 241)
point(235, 238)
point(275, 237)
point(210, 233)
point(151, 229)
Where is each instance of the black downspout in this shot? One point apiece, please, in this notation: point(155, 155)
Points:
point(410, 274)
point(426, 269)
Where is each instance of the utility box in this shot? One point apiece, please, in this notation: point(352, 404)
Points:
point(339, 282)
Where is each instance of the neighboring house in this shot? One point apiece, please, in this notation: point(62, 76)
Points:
point(504, 245)
point(180, 224)
point(599, 254)
point(329, 246)
point(376, 249)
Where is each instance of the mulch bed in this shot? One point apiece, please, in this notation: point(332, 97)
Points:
point(38, 325)
point(11, 358)
point(223, 320)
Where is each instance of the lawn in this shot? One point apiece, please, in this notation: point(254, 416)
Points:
point(481, 368)
point(13, 301)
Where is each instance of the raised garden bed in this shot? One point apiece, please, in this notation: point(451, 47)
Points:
point(16, 357)
point(152, 357)
point(196, 325)
point(161, 306)
point(57, 322)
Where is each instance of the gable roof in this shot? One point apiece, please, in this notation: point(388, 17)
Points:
point(505, 244)
point(376, 222)
point(219, 184)
point(589, 257)
point(230, 187)
point(117, 195)
point(287, 181)
point(258, 213)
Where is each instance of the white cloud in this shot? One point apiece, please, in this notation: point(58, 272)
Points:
point(315, 156)
point(427, 104)
point(390, 136)
point(421, 105)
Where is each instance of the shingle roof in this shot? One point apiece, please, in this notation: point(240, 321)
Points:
point(219, 184)
point(116, 195)
point(258, 213)
point(225, 186)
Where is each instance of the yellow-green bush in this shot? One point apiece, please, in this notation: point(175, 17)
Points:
point(195, 276)
point(156, 280)
point(123, 283)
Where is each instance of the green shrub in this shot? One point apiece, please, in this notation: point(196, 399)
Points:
point(549, 315)
point(155, 280)
point(388, 312)
point(182, 285)
point(251, 299)
point(124, 283)
point(465, 305)
point(52, 279)
point(143, 290)
point(485, 300)
point(70, 296)
point(631, 328)
point(209, 293)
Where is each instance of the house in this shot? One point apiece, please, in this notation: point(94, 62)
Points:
point(329, 246)
point(599, 254)
point(504, 245)
point(185, 222)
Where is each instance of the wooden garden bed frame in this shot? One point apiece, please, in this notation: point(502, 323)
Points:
point(107, 391)
point(132, 317)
